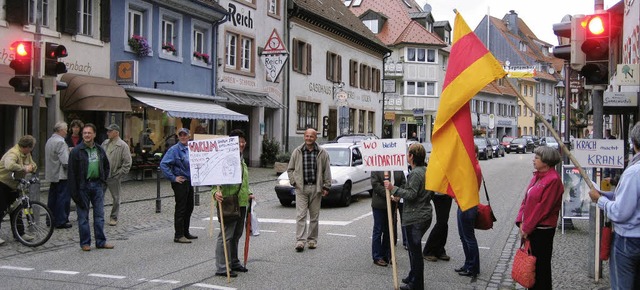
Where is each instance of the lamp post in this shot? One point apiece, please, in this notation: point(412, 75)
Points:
point(560, 88)
point(561, 92)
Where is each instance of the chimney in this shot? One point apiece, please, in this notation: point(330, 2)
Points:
point(511, 21)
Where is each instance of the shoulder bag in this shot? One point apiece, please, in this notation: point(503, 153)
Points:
point(231, 206)
point(485, 218)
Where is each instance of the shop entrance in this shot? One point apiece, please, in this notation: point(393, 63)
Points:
point(333, 124)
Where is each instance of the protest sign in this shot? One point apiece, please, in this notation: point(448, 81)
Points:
point(384, 154)
point(215, 161)
point(603, 153)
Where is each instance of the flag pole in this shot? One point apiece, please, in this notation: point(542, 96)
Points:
point(392, 238)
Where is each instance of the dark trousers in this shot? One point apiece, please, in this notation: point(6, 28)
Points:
point(380, 242)
point(542, 247)
point(416, 262)
point(438, 236)
point(184, 207)
point(7, 197)
point(59, 201)
point(466, 222)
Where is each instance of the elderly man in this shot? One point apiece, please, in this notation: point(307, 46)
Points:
point(120, 162)
point(56, 161)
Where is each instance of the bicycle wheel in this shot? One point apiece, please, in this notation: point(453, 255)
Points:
point(32, 226)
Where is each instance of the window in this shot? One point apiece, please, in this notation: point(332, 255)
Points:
point(473, 105)
point(352, 120)
point(301, 57)
point(33, 12)
point(86, 17)
point(138, 22)
point(201, 43)
point(375, 80)
point(334, 67)
point(523, 46)
point(420, 88)
point(531, 91)
point(361, 122)
point(519, 110)
point(232, 40)
point(273, 8)
point(365, 77)
point(170, 39)
point(353, 73)
point(421, 55)
point(239, 51)
point(372, 24)
point(370, 122)
point(544, 109)
point(307, 115)
point(245, 58)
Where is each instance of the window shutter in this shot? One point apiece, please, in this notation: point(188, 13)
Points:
point(105, 20)
point(68, 16)
point(339, 68)
point(308, 59)
point(328, 73)
point(17, 12)
point(295, 55)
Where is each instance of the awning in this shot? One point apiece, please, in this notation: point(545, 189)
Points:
point(10, 98)
point(87, 93)
point(249, 98)
point(181, 107)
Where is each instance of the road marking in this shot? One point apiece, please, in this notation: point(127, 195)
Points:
point(107, 276)
point(293, 221)
point(198, 228)
point(62, 272)
point(164, 281)
point(16, 268)
point(341, 235)
point(362, 216)
point(209, 286)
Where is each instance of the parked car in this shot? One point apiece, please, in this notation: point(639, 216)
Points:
point(347, 173)
point(485, 151)
point(521, 145)
point(533, 139)
point(549, 141)
point(354, 138)
point(498, 149)
point(506, 140)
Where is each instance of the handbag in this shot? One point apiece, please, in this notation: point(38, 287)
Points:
point(231, 206)
point(605, 241)
point(485, 218)
point(524, 266)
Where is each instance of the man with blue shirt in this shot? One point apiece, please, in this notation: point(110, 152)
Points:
point(175, 167)
point(623, 209)
point(87, 175)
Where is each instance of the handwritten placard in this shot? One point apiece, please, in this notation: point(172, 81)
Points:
point(603, 153)
point(215, 161)
point(384, 154)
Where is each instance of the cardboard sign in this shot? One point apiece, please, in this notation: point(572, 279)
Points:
point(215, 161)
point(384, 154)
point(602, 153)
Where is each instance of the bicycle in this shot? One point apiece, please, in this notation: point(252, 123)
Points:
point(31, 220)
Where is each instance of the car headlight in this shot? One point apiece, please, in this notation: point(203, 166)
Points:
point(284, 182)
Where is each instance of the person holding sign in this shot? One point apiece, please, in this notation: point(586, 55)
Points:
point(380, 239)
point(233, 227)
point(175, 167)
point(623, 209)
point(310, 175)
point(417, 213)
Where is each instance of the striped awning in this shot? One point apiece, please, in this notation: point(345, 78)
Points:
point(182, 107)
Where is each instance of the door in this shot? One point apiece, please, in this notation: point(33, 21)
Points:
point(333, 124)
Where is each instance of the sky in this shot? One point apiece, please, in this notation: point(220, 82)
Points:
point(539, 15)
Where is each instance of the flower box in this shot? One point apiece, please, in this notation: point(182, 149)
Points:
point(139, 45)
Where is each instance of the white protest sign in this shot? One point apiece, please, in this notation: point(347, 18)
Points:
point(215, 161)
point(603, 153)
point(384, 154)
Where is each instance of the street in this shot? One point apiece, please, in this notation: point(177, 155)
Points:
point(145, 256)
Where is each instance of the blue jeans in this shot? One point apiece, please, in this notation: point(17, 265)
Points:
point(58, 202)
point(94, 190)
point(380, 242)
point(416, 261)
point(466, 222)
point(624, 266)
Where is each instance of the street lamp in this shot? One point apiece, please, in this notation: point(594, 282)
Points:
point(560, 88)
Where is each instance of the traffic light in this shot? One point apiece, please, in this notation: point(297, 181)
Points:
point(52, 52)
point(21, 64)
point(596, 48)
point(575, 33)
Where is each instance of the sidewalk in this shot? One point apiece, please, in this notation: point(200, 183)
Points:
point(569, 262)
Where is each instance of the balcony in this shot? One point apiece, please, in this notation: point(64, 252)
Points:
point(393, 70)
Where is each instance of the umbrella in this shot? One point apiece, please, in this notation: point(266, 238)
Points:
point(247, 235)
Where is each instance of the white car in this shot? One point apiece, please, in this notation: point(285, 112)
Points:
point(347, 176)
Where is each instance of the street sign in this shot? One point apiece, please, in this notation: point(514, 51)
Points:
point(419, 120)
point(274, 55)
point(274, 44)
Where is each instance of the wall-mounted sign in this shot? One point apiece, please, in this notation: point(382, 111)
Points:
point(388, 86)
point(127, 72)
point(628, 75)
point(620, 99)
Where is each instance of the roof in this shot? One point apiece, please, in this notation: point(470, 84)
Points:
point(416, 33)
point(334, 16)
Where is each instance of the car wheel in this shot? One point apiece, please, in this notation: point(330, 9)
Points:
point(285, 202)
point(345, 197)
point(502, 154)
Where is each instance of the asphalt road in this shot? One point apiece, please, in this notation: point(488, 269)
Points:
point(145, 256)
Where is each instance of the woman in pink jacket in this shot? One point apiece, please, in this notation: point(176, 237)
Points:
point(539, 212)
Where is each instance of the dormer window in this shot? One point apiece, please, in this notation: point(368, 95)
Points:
point(372, 24)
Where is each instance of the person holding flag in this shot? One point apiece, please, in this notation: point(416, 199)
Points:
point(453, 167)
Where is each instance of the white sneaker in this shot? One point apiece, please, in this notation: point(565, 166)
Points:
point(1, 242)
point(28, 237)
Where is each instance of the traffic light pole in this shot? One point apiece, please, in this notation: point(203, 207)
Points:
point(37, 94)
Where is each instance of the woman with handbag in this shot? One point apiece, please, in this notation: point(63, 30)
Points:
point(539, 211)
point(235, 199)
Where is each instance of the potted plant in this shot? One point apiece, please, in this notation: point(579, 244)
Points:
point(201, 57)
point(282, 161)
point(139, 45)
point(270, 149)
point(168, 48)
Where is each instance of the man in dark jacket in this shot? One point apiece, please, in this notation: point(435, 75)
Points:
point(380, 239)
point(87, 177)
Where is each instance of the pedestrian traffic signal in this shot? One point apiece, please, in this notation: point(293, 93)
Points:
point(596, 48)
point(575, 33)
point(52, 52)
point(21, 64)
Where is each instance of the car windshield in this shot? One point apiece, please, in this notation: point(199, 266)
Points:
point(354, 138)
point(550, 140)
point(494, 142)
point(507, 139)
point(339, 156)
point(480, 142)
point(519, 141)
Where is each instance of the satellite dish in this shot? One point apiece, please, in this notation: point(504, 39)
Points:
point(427, 8)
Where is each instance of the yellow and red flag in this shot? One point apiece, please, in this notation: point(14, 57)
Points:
point(453, 167)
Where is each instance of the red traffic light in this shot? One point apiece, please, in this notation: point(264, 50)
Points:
point(595, 25)
point(22, 48)
point(54, 50)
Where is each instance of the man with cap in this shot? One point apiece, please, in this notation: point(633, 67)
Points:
point(175, 167)
point(119, 158)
